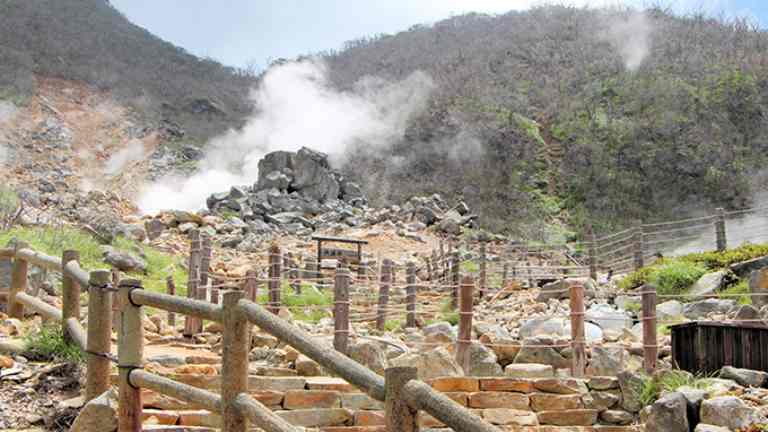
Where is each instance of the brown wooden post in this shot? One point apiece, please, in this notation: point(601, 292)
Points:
point(293, 273)
point(116, 307)
point(650, 343)
point(70, 293)
point(99, 334)
point(592, 248)
point(399, 416)
point(341, 308)
point(639, 248)
point(18, 283)
point(483, 268)
point(130, 356)
point(428, 264)
point(193, 325)
point(206, 255)
point(465, 324)
point(577, 330)
point(722, 242)
point(410, 318)
point(236, 343)
point(170, 287)
point(386, 279)
point(251, 287)
point(275, 270)
point(454, 278)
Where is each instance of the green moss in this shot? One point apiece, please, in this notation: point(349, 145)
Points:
point(393, 325)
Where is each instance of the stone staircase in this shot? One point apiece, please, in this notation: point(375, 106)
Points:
point(331, 404)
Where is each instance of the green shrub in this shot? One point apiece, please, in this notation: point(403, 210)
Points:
point(652, 387)
point(48, 344)
point(717, 260)
point(675, 277)
point(311, 305)
point(9, 205)
point(393, 325)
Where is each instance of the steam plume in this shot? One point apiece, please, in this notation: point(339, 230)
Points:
point(631, 35)
point(134, 151)
point(296, 107)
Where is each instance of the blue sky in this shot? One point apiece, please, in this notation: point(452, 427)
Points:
point(237, 32)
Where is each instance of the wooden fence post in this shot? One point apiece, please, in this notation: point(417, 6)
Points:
point(193, 325)
point(399, 416)
point(577, 330)
point(170, 287)
point(592, 240)
point(341, 308)
point(465, 324)
point(130, 356)
point(18, 283)
point(236, 343)
point(205, 262)
point(410, 318)
point(70, 293)
point(275, 269)
point(215, 288)
point(722, 242)
point(293, 273)
point(650, 343)
point(639, 248)
point(99, 334)
point(251, 286)
point(386, 279)
point(454, 278)
point(483, 268)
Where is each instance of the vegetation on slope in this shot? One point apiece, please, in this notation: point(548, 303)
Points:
point(54, 240)
point(680, 133)
point(675, 275)
point(90, 41)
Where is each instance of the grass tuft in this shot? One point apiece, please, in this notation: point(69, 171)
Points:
point(48, 344)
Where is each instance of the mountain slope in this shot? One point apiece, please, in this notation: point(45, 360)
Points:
point(90, 41)
point(577, 119)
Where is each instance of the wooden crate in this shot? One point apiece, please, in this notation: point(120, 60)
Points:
point(707, 346)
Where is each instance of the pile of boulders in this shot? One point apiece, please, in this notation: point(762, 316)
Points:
point(298, 193)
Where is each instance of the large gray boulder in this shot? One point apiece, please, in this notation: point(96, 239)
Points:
point(608, 318)
point(535, 350)
point(607, 361)
point(730, 412)
point(430, 364)
point(745, 268)
point(313, 177)
point(630, 384)
point(669, 310)
point(369, 354)
point(744, 377)
point(123, 261)
point(701, 309)
point(668, 414)
point(707, 285)
point(277, 161)
point(482, 361)
point(100, 414)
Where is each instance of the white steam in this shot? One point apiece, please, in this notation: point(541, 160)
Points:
point(296, 107)
point(631, 35)
point(133, 152)
point(3, 154)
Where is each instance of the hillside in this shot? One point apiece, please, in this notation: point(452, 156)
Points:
point(90, 41)
point(582, 113)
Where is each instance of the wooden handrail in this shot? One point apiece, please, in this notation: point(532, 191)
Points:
point(39, 259)
point(325, 355)
point(187, 393)
point(73, 270)
point(7, 253)
point(76, 333)
point(186, 306)
point(47, 311)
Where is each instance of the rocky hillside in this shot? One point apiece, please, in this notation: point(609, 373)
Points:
point(90, 41)
point(574, 120)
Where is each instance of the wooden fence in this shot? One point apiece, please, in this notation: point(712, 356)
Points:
point(402, 393)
